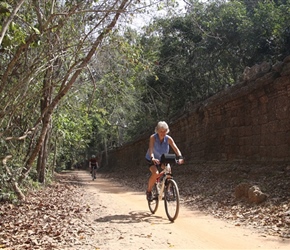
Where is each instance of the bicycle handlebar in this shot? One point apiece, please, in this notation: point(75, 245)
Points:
point(170, 158)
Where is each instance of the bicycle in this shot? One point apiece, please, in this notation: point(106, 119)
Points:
point(165, 188)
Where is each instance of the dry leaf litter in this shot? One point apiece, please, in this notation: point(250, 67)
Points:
point(56, 216)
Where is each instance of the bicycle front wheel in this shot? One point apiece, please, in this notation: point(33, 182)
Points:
point(153, 204)
point(171, 200)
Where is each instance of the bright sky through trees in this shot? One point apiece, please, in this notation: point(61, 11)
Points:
point(157, 9)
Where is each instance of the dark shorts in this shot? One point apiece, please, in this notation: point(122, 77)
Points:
point(150, 163)
point(94, 166)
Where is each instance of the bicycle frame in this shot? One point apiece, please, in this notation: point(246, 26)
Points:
point(166, 173)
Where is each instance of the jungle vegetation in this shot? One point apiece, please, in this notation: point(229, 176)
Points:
point(76, 79)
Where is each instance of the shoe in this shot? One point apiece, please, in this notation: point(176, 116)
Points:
point(149, 196)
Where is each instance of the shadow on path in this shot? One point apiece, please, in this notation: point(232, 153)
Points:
point(133, 217)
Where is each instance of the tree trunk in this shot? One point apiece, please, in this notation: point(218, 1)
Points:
point(42, 160)
point(44, 103)
point(66, 85)
point(39, 161)
point(11, 180)
point(54, 157)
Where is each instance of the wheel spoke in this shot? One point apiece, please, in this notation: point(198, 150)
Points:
point(171, 200)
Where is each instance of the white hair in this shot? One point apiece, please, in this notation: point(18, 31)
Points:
point(163, 125)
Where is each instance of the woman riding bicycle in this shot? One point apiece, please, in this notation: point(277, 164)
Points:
point(159, 143)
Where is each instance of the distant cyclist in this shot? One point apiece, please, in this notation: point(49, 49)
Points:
point(159, 144)
point(93, 164)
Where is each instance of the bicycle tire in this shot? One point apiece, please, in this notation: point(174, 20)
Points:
point(171, 199)
point(153, 204)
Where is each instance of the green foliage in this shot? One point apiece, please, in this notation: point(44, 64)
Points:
point(120, 69)
point(44, 49)
point(19, 29)
point(208, 48)
point(71, 130)
point(132, 81)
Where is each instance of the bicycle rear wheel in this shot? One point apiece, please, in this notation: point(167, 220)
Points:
point(171, 199)
point(153, 204)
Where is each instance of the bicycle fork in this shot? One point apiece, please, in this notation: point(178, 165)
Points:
point(161, 186)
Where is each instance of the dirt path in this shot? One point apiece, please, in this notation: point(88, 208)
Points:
point(121, 220)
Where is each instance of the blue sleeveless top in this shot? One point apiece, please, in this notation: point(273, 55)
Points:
point(159, 147)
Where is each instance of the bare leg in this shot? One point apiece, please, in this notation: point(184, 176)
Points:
point(154, 174)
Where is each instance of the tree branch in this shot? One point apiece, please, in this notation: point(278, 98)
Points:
point(66, 86)
point(6, 24)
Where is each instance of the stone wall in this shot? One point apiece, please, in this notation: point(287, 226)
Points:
point(248, 122)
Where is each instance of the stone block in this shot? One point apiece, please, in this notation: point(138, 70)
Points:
point(241, 190)
point(251, 194)
point(255, 195)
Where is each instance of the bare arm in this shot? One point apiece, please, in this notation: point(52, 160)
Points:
point(175, 148)
point(151, 146)
point(151, 151)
